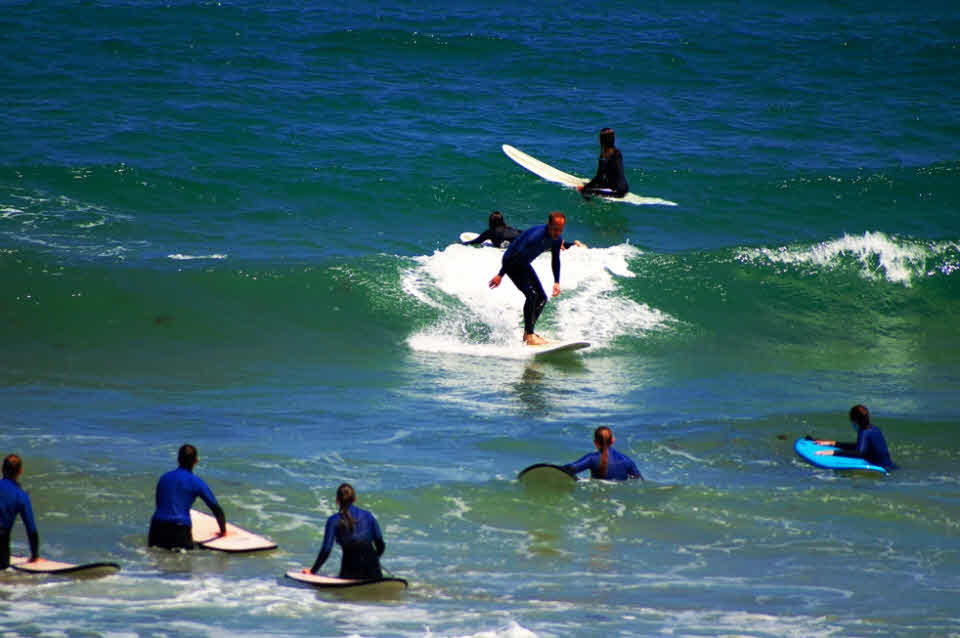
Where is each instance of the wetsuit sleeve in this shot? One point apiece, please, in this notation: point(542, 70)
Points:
point(846, 446)
point(555, 259)
point(598, 179)
point(329, 534)
point(633, 471)
point(616, 176)
point(26, 513)
point(211, 501)
point(479, 239)
point(583, 463)
point(378, 543)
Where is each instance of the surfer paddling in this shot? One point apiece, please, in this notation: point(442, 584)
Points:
point(870, 444)
point(15, 501)
point(170, 526)
point(610, 180)
point(516, 265)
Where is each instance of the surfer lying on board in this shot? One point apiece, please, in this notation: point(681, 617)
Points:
point(170, 526)
point(499, 232)
point(610, 180)
point(14, 501)
point(516, 265)
point(870, 446)
point(359, 536)
point(606, 462)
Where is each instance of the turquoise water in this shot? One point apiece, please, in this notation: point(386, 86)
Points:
point(235, 224)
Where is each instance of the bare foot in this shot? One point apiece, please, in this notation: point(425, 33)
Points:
point(534, 339)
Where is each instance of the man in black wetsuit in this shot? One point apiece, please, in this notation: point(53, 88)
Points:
point(610, 180)
point(497, 233)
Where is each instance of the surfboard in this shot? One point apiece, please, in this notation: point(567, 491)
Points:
point(45, 566)
point(205, 530)
point(557, 176)
point(379, 585)
point(546, 475)
point(555, 347)
point(807, 450)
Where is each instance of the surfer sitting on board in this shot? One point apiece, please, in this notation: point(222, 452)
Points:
point(610, 180)
point(870, 446)
point(170, 526)
point(13, 501)
point(359, 536)
point(605, 463)
point(516, 265)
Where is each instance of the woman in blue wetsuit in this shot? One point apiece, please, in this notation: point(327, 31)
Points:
point(606, 462)
point(870, 446)
point(359, 536)
point(13, 502)
point(610, 180)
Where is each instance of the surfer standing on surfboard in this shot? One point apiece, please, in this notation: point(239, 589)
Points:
point(171, 527)
point(516, 265)
point(610, 180)
point(14, 501)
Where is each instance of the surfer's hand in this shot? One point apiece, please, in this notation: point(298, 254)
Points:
point(577, 242)
point(580, 188)
point(305, 571)
point(556, 289)
point(495, 282)
point(824, 452)
point(823, 442)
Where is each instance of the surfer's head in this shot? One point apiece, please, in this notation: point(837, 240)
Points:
point(12, 467)
point(187, 456)
point(555, 224)
point(606, 138)
point(860, 416)
point(496, 220)
point(603, 439)
point(346, 496)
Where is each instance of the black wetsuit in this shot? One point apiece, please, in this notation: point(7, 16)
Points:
point(610, 180)
point(496, 236)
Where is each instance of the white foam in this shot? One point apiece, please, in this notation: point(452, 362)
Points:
point(182, 257)
point(513, 630)
point(483, 322)
point(880, 256)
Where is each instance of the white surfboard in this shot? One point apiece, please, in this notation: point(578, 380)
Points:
point(552, 174)
point(554, 347)
point(468, 236)
point(205, 530)
point(45, 566)
point(378, 585)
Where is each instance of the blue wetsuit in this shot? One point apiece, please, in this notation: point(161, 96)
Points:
point(619, 466)
point(516, 265)
point(170, 526)
point(13, 502)
point(871, 446)
point(362, 546)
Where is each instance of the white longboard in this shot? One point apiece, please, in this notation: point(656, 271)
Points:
point(378, 585)
point(205, 530)
point(553, 347)
point(45, 566)
point(468, 236)
point(552, 174)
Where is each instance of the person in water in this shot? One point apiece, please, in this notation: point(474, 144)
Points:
point(610, 180)
point(606, 462)
point(170, 526)
point(499, 233)
point(15, 501)
point(516, 265)
point(870, 445)
point(359, 536)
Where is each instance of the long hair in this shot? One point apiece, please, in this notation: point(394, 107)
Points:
point(496, 220)
point(187, 456)
point(346, 496)
point(602, 436)
point(860, 415)
point(12, 466)
point(606, 141)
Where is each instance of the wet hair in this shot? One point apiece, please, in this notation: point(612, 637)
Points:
point(860, 415)
point(12, 466)
point(187, 456)
point(496, 220)
point(346, 496)
point(606, 138)
point(602, 436)
point(556, 217)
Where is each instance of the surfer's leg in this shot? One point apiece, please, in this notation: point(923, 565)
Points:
point(169, 535)
point(4, 550)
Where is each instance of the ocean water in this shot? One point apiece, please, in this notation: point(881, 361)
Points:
point(235, 224)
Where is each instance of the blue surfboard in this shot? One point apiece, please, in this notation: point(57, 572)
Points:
point(807, 450)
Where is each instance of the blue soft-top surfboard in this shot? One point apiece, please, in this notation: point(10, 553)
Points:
point(807, 450)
